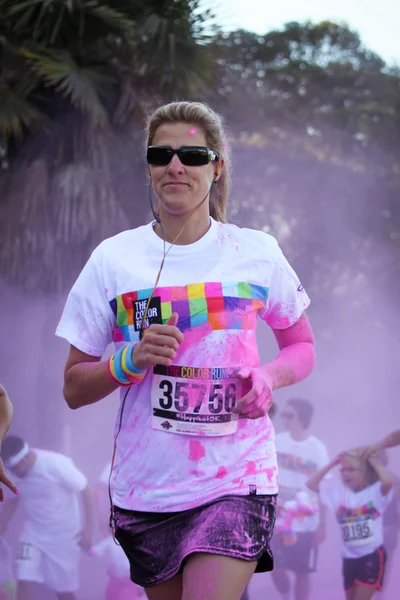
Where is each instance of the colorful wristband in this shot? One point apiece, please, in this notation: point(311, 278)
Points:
point(129, 369)
point(122, 369)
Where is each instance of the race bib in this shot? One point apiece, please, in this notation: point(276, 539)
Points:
point(358, 533)
point(195, 400)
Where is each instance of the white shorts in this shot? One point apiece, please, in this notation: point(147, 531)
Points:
point(32, 564)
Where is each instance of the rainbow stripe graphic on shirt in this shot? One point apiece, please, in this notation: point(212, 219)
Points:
point(297, 464)
point(345, 515)
point(221, 305)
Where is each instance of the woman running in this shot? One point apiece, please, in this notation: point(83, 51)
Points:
point(359, 499)
point(194, 474)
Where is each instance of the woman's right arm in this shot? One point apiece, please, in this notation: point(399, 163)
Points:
point(315, 480)
point(87, 380)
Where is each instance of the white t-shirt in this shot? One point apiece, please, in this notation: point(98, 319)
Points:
point(6, 574)
point(359, 515)
point(297, 461)
point(218, 286)
point(50, 502)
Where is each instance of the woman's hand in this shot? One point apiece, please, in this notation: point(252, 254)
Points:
point(159, 345)
point(258, 399)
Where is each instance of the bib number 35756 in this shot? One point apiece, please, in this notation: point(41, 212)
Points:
point(195, 406)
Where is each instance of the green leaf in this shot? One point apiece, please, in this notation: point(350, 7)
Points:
point(15, 112)
point(83, 85)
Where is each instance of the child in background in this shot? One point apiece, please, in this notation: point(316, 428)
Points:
point(8, 585)
point(359, 499)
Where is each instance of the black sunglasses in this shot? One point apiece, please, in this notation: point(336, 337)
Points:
point(190, 156)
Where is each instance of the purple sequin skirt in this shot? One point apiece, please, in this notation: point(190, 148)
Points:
point(157, 544)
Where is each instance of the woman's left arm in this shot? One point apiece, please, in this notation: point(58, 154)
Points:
point(295, 362)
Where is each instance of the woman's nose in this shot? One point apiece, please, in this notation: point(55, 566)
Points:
point(175, 165)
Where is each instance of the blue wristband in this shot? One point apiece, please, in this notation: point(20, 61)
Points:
point(129, 363)
point(118, 367)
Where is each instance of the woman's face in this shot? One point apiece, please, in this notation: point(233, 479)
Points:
point(352, 473)
point(180, 188)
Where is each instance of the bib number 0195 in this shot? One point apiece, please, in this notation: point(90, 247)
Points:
point(181, 394)
point(356, 532)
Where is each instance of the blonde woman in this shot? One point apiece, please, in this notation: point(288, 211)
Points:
point(194, 476)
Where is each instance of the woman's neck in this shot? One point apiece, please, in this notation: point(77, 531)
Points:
point(193, 227)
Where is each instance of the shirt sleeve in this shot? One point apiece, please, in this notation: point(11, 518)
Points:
point(287, 298)
point(384, 501)
point(328, 491)
point(87, 321)
point(68, 475)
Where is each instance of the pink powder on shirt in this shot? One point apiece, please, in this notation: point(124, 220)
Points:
point(196, 450)
point(284, 323)
point(251, 468)
point(270, 473)
point(221, 473)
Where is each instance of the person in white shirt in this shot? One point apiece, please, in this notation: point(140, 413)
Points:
point(6, 413)
point(359, 499)
point(193, 485)
point(300, 524)
point(119, 585)
point(52, 491)
point(7, 581)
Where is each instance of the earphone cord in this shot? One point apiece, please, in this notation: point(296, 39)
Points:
point(112, 521)
point(165, 254)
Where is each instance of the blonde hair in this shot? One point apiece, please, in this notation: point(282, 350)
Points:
point(368, 473)
point(211, 124)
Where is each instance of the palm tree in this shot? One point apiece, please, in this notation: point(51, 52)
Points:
point(76, 78)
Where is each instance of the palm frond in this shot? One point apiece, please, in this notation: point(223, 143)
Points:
point(47, 21)
point(83, 85)
point(16, 112)
point(109, 16)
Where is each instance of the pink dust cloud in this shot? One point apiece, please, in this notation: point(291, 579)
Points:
point(196, 450)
